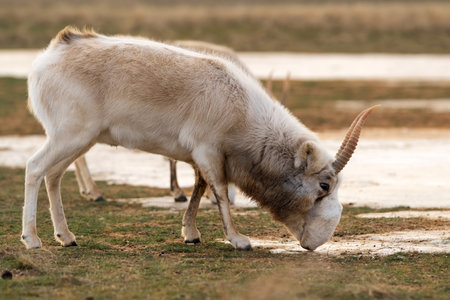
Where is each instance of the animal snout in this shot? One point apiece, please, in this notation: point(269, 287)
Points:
point(307, 248)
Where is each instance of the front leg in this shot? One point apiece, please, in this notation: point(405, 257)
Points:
point(239, 241)
point(211, 165)
point(189, 230)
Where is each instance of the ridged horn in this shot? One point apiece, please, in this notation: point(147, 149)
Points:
point(351, 140)
point(349, 132)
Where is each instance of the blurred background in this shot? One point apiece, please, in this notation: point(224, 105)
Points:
point(388, 26)
point(342, 56)
point(411, 28)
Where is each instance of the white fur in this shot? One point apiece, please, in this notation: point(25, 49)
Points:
point(166, 100)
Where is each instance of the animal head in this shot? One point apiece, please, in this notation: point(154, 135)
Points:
point(313, 209)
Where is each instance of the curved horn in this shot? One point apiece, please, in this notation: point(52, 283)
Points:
point(349, 132)
point(351, 140)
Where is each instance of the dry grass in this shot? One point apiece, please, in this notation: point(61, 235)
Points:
point(346, 26)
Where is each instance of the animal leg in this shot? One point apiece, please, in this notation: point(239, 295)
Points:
point(78, 176)
point(211, 165)
point(175, 189)
point(189, 230)
point(53, 184)
point(50, 154)
point(88, 188)
point(231, 194)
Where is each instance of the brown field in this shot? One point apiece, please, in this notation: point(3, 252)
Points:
point(307, 26)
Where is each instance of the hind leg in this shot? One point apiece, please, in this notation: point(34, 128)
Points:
point(189, 230)
point(88, 188)
point(175, 189)
point(53, 184)
point(53, 152)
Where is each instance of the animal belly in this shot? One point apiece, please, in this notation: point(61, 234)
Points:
point(152, 142)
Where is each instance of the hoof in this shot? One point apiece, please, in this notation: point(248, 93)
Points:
point(194, 241)
point(7, 275)
point(73, 244)
point(31, 242)
point(181, 198)
point(241, 242)
point(100, 199)
point(246, 248)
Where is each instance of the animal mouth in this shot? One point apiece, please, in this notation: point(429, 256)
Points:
point(302, 241)
point(301, 233)
point(307, 247)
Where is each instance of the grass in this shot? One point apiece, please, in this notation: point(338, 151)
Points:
point(311, 101)
point(126, 251)
point(14, 115)
point(308, 26)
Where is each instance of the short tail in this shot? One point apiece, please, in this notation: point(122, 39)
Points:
point(70, 34)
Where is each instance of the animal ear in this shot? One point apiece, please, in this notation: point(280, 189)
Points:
point(307, 155)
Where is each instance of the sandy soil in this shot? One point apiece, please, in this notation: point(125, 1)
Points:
point(301, 66)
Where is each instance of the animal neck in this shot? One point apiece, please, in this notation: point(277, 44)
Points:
point(262, 166)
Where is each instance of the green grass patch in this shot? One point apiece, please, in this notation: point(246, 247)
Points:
point(126, 251)
point(15, 117)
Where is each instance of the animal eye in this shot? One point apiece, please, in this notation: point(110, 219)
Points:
point(325, 186)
